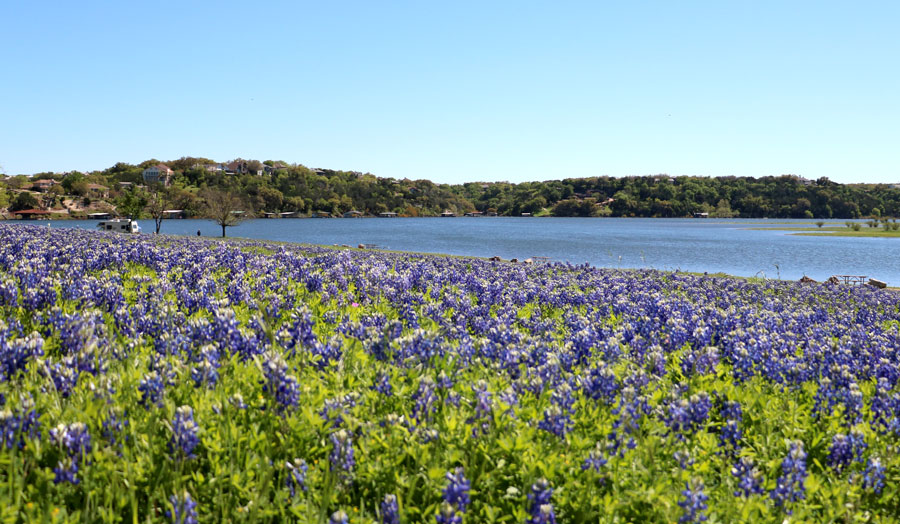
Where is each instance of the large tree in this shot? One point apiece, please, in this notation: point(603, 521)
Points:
point(158, 201)
point(24, 200)
point(224, 208)
point(132, 203)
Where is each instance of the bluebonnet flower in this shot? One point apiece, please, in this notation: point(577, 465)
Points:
point(424, 399)
point(15, 353)
point(184, 433)
point(541, 509)
point(66, 470)
point(443, 381)
point(75, 441)
point(885, 408)
point(484, 406)
point(428, 434)
point(113, 427)
point(9, 428)
point(341, 456)
point(390, 510)
point(631, 409)
point(15, 426)
point(339, 517)
point(74, 438)
point(731, 411)
point(684, 417)
point(296, 475)
point(334, 409)
point(151, 387)
point(447, 515)
point(790, 486)
point(749, 478)
point(601, 384)
point(684, 459)
point(595, 460)
point(846, 449)
point(383, 384)
point(873, 476)
point(237, 400)
point(730, 436)
point(457, 491)
point(558, 417)
point(206, 371)
point(280, 386)
point(184, 509)
point(693, 503)
point(700, 361)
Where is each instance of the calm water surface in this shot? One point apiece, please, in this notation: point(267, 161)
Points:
point(712, 245)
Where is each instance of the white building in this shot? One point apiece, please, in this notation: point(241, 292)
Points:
point(158, 174)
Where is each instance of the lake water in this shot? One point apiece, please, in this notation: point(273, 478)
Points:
point(712, 245)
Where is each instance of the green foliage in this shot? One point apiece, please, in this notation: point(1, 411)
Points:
point(131, 204)
point(294, 187)
point(24, 200)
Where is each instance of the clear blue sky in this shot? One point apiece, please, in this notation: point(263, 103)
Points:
point(458, 91)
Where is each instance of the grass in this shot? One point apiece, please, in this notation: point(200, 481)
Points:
point(833, 231)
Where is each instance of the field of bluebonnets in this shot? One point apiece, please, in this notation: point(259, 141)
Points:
point(191, 380)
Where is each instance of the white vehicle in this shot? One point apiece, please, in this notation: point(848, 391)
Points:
point(119, 225)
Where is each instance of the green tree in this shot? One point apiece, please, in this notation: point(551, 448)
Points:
point(131, 203)
point(158, 202)
point(24, 200)
point(224, 208)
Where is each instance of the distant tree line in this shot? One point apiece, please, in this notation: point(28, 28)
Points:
point(297, 188)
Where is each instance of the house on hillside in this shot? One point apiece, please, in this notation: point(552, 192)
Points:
point(242, 167)
point(43, 184)
point(97, 191)
point(160, 173)
point(212, 168)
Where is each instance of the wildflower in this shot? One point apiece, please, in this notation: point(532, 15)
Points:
point(684, 459)
point(845, 449)
point(280, 386)
point(206, 372)
point(390, 510)
point(595, 460)
point(113, 427)
point(184, 432)
point(873, 476)
point(424, 399)
point(749, 478)
point(447, 515)
point(457, 490)
point(184, 509)
point(341, 456)
point(790, 484)
point(541, 508)
point(693, 503)
point(557, 418)
point(15, 426)
point(730, 436)
point(383, 384)
point(339, 517)
point(296, 475)
point(75, 441)
point(151, 388)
